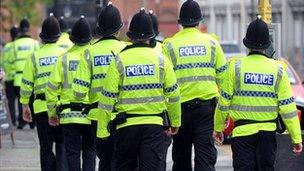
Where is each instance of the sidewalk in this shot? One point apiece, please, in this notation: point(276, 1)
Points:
point(24, 155)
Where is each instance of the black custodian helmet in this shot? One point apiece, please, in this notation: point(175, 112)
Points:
point(154, 22)
point(257, 35)
point(50, 31)
point(190, 13)
point(14, 32)
point(24, 25)
point(81, 32)
point(141, 27)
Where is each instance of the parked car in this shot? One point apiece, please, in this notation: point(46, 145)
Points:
point(231, 49)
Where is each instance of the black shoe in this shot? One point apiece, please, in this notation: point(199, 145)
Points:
point(20, 127)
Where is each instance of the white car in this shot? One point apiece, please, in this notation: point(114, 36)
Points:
point(231, 49)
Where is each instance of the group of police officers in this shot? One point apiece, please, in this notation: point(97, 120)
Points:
point(126, 101)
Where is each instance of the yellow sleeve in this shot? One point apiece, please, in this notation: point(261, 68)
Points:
point(82, 81)
point(172, 94)
point(226, 95)
point(287, 108)
point(167, 50)
point(220, 64)
point(27, 83)
point(53, 89)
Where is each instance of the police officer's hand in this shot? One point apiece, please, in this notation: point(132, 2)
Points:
point(171, 131)
point(26, 113)
point(218, 137)
point(297, 148)
point(54, 121)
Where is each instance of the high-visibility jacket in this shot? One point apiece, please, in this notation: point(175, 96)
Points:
point(141, 81)
point(158, 47)
point(64, 41)
point(60, 87)
point(7, 60)
point(198, 61)
point(23, 47)
point(36, 74)
point(257, 88)
point(92, 70)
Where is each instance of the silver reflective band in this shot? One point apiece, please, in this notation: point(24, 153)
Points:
point(67, 86)
point(161, 68)
point(120, 68)
point(289, 115)
point(254, 108)
point(279, 77)
point(172, 54)
point(25, 93)
point(96, 89)
point(173, 99)
point(238, 75)
point(195, 78)
point(65, 71)
point(39, 87)
point(87, 57)
point(141, 100)
point(34, 64)
point(223, 108)
point(79, 95)
point(105, 106)
point(53, 87)
point(212, 57)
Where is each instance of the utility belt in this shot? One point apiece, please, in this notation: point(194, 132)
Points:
point(19, 72)
point(196, 103)
point(40, 96)
point(279, 122)
point(90, 107)
point(79, 107)
point(122, 118)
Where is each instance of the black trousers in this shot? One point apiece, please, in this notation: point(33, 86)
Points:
point(48, 135)
point(196, 129)
point(77, 138)
point(139, 147)
point(21, 122)
point(167, 143)
point(254, 152)
point(11, 96)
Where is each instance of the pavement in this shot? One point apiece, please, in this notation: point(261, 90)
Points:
point(24, 155)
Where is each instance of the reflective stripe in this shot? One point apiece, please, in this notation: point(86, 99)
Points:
point(194, 65)
point(96, 89)
point(161, 68)
point(52, 86)
point(120, 68)
point(79, 95)
point(212, 56)
point(65, 70)
point(98, 76)
point(237, 75)
point(39, 87)
point(222, 69)
point(34, 64)
point(141, 100)
point(26, 82)
point(25, 93)
point(286, 101)
point(223, 108)
point(256, 94)
point(109, 94)
point(141, 86)
point(279, 77)
point(254, 108)
point(173, 99)
point(171, 89)
point(45, 74)
point(195, 78)
point(81, 82)
point(67, 86)
point(105, 106)
point(226, 95)
point(289, 115)
point(172, 54)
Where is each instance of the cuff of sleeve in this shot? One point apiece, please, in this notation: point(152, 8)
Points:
point(24, 100)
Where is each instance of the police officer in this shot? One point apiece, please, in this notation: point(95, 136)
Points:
point(35, 78)
point(77, 131)
point(199, 64)
point(137, 84)
point(257, 88)
point(24, 46)
point(92, 70)
point(64, 40)
point(7, 59)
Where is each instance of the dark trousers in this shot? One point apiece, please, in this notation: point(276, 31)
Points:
point(21, 122)
point(104, 150)
point(139, 146)
point(11, 96)
point(77, 138)
point(196, 129)
point(48, 135)
point(254, 152)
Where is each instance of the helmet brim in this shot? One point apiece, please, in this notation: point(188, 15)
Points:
point(189, 23)
point(48, 38)
point(252, 45)
point(76, 40)
point(102, 33)
point(133, 36)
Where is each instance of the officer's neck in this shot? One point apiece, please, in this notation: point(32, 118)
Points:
point(141, 42)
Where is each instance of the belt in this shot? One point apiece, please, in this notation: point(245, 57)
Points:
point(40, 96)
point(73, 106)
point(129, 115)
point(89, 107)
point(195, 103)
point(246, 122)
point(19, 72)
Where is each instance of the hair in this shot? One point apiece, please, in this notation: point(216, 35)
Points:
point(193, 25)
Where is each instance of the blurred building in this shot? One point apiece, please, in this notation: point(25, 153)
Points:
point(229, 20)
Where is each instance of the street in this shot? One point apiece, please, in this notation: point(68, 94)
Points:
point(24, 155)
